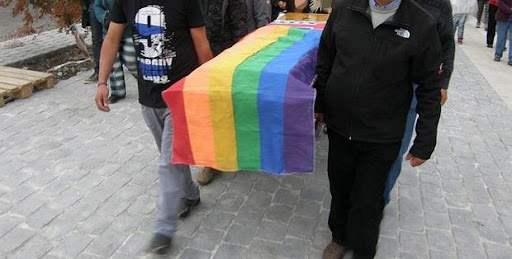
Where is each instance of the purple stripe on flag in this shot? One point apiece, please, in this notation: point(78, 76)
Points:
point(299, 116)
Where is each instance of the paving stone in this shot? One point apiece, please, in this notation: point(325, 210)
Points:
point(280, 213)
point(271, 230)
point(42, 217)
point(412, 223)
point(293, 182)
point(267, 184)
point(106, 244)
point(230, 251)
point(462, 218)
point(206, 239)
point(190, 225)
point(250, 215)
point(437, 220)
point(492, 231)
point(14, 239)
point(313, 193)
point(263, 249)
point(135, 245)
point(389, 226)
point(387, 248)
point(191, 253)
point(240, 234)
point(126, 223)
point(441, 240)
point(19, 193)
point(301, 228)
point(230, 202)
point(434, 204)
point(307, 209)
point(242, 188)
point(321, 238)
point(466, 236)
point(484, 212)
point(218, 220)
point(411, 206)
point(286, 197)
point(36, 247)
point(95, 224)
point(498, 250)
point(442, 254)
point(470, 251)
point(293, 248)
point(72, 245)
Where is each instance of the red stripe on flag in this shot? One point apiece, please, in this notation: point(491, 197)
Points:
point(173, 97)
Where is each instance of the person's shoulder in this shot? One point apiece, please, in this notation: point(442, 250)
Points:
point(442, 6)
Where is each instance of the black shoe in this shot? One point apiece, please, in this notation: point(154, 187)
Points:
point(92, 79)
point(159, 244)
point(114, 99)
point(510, 63)
point(489, 46)
point(478, 24)
point(187, 206)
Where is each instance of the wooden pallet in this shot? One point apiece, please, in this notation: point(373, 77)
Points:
point(18, 83)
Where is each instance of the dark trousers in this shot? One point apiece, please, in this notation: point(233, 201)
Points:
point(97, 38)
point(357, 176)
point(481, 4)
point(491, 25)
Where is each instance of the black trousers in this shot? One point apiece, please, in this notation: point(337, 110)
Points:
point(357, 177)
point(481, 4)
point(491, 25)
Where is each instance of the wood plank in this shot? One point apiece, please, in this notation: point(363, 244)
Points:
point(24, 71)
point(2, 93)
point(305, 17)
point(14, 81)
point(21, 76)
point(9, 87)
point(24, 92)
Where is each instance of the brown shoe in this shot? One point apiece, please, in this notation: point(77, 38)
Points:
point(205, 176)
point(334, 251)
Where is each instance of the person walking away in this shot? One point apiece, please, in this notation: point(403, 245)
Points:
point(170, 38)
point(89, 19)
point(504, 22)
point(367, 60)
point(491, 23)
point(125, 55)
point(441, 11)
point(461, 10)
point(481, 7)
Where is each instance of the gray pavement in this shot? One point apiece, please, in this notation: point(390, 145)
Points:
point(75, 182)
point(21, 49)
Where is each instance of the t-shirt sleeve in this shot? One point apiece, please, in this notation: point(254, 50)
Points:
point(195, 14)
point(117, 14)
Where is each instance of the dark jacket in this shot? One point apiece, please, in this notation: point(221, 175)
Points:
point(102, 12)
point(441, 11)
point(226, 22)
point(258, 14)
point(86, 21)
point(504, 13)
point(365, 75)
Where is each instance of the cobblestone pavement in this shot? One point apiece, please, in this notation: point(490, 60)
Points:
point(75, 182)
point(21, 49)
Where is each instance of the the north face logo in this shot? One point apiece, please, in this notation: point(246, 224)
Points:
point(404, 33)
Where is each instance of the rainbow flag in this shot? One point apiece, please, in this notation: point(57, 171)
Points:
point(251, 107)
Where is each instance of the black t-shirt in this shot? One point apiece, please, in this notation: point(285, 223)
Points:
point(164, 46)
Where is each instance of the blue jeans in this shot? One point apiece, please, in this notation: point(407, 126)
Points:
point(394, 172)
point(459, 20)
point(503, 28)
point(97, 38)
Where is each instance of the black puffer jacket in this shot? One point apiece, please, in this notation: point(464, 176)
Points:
point(226, 22)
point(365, 75)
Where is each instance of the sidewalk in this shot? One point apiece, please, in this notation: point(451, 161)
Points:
point(37, 45)
point(77, 183)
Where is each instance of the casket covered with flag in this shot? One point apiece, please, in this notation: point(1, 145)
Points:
point(251, 107)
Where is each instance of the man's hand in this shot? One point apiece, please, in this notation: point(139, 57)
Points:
point(444, 96)
point(415, 161)
point(319, 117)
point(282, 4)
point(102, 98)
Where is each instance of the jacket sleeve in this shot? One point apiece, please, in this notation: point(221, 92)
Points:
point(99, 11)
point(261, 15)
point(425, 72)
point(445, 31)
point(237, 12)
point(504, 6)
point(325, 59)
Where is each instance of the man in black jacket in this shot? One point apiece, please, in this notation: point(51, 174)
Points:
point(370, 54)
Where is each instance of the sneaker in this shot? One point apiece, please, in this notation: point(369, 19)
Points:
point(489, 46)
point(334, 251)
point(205, 176)
point(114, 99)
point(478, 24)
point(459, 41)
point(187, 206)
point(92, 79)
point(159, 244)
point(497, 59)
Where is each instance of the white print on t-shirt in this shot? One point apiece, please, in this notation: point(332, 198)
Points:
point(154, 60)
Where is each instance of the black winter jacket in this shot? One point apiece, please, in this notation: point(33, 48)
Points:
point(365, 75)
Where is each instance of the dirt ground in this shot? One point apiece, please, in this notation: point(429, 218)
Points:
point(63, 64)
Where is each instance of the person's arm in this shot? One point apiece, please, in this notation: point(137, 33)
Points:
point(425, 71)
point(100, 11)
point(325, 59)
point(445, 31)
point(260, 13)
point(108, 54)
point(201, 44)
point(237, 19)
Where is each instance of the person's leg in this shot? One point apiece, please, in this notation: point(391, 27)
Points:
point(491, 26)
point(509, 32)
point(130, 56)
point(500, 43)
point(367, 205)
point(97, 41)
point(462, 23)
point(481, 4)
point(341, 163)
point(394, 172)
point(175, 180)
